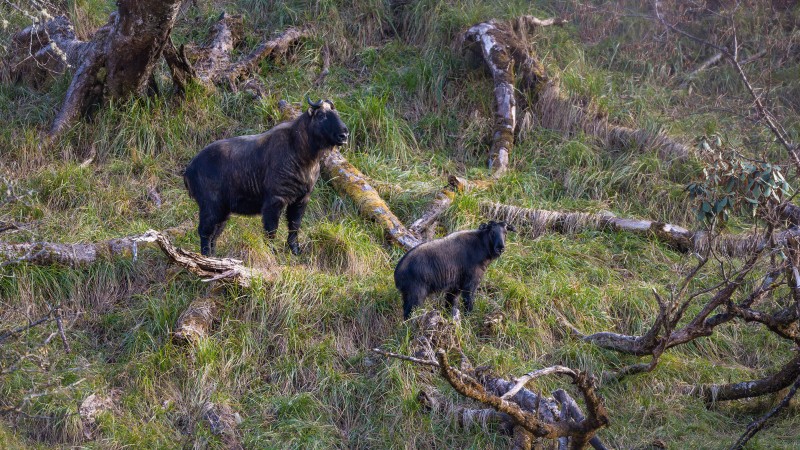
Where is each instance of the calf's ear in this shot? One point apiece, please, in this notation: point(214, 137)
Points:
point(510, 227)
point(483, 226)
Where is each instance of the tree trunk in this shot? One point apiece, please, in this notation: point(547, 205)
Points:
point(117, 62)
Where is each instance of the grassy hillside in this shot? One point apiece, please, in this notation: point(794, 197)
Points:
point(291, 356)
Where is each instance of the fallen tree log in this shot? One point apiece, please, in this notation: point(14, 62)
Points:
point(503, 47)
point(535, 222)
point(212, 64)
point(196, 321)
point(492, 41)
point(438, 206)
point(208, 268)
point(348, 180)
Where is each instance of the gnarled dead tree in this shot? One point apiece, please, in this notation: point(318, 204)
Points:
point(735, 298)
point(119, 59)
point(517, 411)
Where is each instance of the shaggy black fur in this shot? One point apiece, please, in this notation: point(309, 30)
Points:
point(263, 174)
point(454, 264)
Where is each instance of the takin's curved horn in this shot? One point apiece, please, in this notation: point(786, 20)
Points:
point(316, 105)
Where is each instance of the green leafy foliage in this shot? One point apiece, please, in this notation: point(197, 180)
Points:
point(732, 183)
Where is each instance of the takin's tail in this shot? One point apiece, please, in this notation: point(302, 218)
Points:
point(186, 183)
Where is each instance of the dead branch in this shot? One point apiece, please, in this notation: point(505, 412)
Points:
point(208, 268)
point(424, 362)
point(212, 62)
point(715, 58)
point(579, 432)
point(60, 323)
point(326, 65)
point(438, 206)
point(195, 321)
point(525, 379)
point(759, 423)
point(734, 391)
point(7, 334)
point(517, 410)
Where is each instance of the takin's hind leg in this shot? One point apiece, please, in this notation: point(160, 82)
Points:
point(210, 227)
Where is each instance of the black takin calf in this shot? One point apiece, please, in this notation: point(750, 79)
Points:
point(263, 174)
point(454, 264)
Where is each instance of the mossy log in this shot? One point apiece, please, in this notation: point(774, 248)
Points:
point(347, 179)
point(351, 182)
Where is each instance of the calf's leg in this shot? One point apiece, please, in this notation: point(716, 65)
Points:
point(411, 299)
point(212, 222)
point(450, 301)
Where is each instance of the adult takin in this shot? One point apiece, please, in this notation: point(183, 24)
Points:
point(454, 265)
point(263, 173)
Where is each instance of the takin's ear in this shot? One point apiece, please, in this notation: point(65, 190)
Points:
point(483, 226)
point(310, 111)
point(509, 227)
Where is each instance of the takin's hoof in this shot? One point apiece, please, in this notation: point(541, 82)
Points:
point(294, 248)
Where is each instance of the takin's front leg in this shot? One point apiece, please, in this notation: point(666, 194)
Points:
point(294, 215)
point(450, 302)
point(271, 215)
